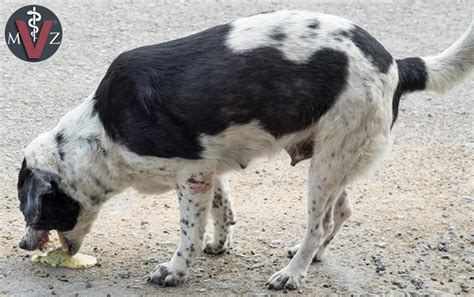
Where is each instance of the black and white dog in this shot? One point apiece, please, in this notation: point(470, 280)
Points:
point(182, 113)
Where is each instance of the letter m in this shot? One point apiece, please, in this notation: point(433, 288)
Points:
point(14, 40)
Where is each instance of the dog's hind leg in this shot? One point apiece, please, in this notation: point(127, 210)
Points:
point(223, 217)
point(325, 185)
point(338, 158)
point(195, 189)
point(341, 212)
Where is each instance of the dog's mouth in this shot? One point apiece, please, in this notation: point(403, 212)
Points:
point(44, 240)
point(40, 239)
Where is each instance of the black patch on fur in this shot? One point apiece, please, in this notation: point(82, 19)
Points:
point(342, 33)
point(44, 205)
point(278, 35)
point(314, 24)
point(157, 100)
point(412, 76)
point(60, 141)
point(372, 49)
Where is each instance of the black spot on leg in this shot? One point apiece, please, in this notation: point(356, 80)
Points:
point(191, 247)
point(328, 241)
point(342, 214)
point(184, 232)
point(178, 254)
point(314, 24)
point(277, 35)
point(217, 201)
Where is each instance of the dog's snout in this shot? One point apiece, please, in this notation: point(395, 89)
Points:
point(22, 244)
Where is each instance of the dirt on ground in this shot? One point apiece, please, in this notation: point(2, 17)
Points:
point(412, 228)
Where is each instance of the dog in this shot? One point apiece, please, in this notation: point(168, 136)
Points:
point(180, 114)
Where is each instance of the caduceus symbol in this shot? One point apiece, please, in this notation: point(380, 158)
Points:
point(35, 17)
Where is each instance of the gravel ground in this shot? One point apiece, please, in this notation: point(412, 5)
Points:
point(412, 230)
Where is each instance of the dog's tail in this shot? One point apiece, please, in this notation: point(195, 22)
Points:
point(441, 72)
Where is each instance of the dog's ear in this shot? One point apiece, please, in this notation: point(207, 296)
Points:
point(33, 186)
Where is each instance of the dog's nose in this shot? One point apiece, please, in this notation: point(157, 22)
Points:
point(22, 244)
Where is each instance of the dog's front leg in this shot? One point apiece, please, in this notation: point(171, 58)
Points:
point(195, 193)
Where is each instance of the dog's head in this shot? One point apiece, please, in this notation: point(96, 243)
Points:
point(46, 206)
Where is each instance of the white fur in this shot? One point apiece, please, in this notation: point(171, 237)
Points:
point(452, 65)
point(254, 32)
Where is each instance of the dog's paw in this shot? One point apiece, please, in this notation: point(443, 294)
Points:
point(214, 248)
point(165, 275)
point(285, 279)
point(320, 255)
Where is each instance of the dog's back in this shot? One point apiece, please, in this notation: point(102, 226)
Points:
point(277, 73)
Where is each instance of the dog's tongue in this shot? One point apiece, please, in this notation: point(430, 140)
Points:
point(63, 241)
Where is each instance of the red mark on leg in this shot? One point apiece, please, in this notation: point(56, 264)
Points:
point(200, 183)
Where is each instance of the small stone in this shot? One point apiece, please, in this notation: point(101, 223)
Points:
point(464, 287)
point(124, 275)
point(41, 274)
point(453, 230)
point(442, 246)
point(380, 244)
point(399, 284)
point(379, 266)
point(417, 283)
point(275, 243)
